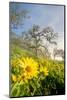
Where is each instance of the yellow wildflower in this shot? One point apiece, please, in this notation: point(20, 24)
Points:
point(44, 70)
point(14, 78)
point(22, 78)
point(30, 67)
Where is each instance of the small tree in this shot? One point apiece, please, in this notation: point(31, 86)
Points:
point(58, 52)
point(16, 16)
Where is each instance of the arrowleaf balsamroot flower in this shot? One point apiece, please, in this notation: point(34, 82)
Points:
point(30, 67)
point(44, 70)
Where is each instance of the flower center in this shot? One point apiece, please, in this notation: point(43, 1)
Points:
point(28, 69)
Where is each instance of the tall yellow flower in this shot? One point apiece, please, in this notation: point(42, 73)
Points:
point(30, 67)
point(44, 70)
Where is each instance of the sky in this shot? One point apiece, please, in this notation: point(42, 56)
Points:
point(44, 15)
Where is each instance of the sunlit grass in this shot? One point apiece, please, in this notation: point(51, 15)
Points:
point(31, 75)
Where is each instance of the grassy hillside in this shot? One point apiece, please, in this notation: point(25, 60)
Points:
point(31, 75)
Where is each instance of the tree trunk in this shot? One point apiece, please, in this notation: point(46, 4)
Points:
point(36, 51)
point(36, 46)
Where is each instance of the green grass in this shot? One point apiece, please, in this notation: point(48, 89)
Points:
point(53, 84)
point(18, 51)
